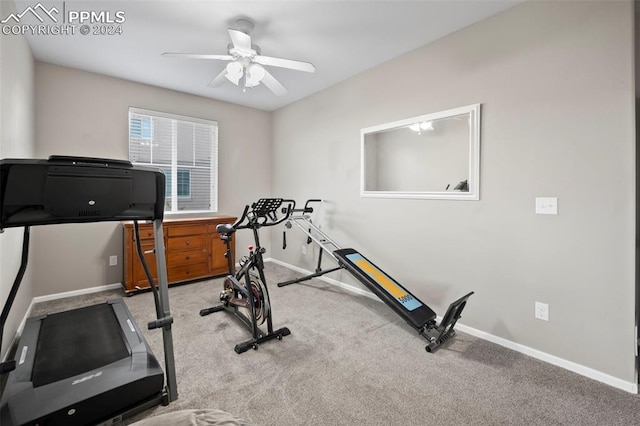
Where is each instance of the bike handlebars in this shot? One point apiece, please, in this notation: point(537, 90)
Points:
point(306, 208)
point(263, 213)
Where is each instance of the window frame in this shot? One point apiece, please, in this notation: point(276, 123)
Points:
point(174, 166)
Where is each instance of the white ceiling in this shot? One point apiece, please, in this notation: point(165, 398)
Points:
point(341, 38)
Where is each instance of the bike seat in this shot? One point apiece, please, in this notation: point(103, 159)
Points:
point(225, 228)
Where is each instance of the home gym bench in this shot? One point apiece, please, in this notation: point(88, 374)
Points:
point(409, 307)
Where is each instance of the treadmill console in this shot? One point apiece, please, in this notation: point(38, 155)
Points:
point(78, 190)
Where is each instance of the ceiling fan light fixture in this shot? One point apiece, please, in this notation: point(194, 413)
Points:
point(234, 72)
point(426, 125)
point(419, 127)
point(255, 74)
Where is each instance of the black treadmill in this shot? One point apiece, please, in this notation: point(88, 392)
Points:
point(89, 365)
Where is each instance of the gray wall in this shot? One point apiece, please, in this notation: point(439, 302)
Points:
point(80, 113)
point(556, 82)
point(16, 140)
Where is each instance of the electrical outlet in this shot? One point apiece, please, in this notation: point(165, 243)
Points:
point(304, 249)
point(542, 311)
point(113, 260)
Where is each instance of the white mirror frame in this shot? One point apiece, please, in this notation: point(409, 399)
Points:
point(474, 156)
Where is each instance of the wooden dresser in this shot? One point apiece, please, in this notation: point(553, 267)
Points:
point(193, 251)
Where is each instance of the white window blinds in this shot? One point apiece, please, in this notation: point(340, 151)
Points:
point(186, 149)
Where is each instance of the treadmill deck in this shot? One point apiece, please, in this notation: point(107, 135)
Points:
point(76, 377)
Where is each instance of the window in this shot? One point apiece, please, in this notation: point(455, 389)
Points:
point(182, 147)
point(184, 183)
point(140, 128)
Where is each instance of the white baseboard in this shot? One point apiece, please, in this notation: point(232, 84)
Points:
point(72, 293)
point(534, 353)
point(552, 359)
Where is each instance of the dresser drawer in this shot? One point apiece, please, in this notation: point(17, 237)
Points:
point(183, 243)
point(179, 231)
point(146, 232)
point(186, 257)
point(187, 272)
point(140, 276)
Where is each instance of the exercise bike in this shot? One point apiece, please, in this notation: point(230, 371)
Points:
point(245, 293)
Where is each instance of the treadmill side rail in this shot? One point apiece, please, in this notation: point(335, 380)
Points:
point(163, 296)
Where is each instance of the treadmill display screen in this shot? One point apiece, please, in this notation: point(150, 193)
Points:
point(407, 300)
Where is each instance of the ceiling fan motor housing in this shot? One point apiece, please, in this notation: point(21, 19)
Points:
point(244, 25)
point(255, 50)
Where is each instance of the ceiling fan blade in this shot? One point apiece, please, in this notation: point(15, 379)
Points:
point(198, 56)
point(240, 40)
point(219, 79)
point(273, 84)
point(284, 63)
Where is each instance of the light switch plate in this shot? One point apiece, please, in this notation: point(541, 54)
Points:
point(546, 205)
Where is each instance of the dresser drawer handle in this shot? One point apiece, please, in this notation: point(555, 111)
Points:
point(187, 242)
point(187, 258)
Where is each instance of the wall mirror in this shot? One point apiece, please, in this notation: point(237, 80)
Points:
point(433, 156)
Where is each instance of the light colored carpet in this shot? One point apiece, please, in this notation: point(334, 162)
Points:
point(351, 361)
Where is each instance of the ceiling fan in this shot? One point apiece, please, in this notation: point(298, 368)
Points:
point(245, 65)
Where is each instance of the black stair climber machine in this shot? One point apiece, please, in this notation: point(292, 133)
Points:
point(244, 293)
